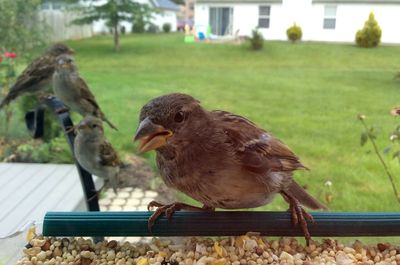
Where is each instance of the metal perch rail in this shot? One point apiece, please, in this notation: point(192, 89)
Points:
point(222, 223)
point(225, 223)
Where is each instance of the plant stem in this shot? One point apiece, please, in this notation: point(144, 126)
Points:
point(391, 178)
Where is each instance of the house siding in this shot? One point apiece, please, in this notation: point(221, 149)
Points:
point(309, 15)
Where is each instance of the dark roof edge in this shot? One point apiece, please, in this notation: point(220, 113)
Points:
point(356, 2)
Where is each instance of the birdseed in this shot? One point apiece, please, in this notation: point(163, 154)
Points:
point(242, 250)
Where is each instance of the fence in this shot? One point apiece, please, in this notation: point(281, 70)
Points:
point(60, 24)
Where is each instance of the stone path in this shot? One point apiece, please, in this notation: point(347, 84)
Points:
point(127, 199)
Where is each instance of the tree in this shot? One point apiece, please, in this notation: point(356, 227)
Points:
point(21, 28)
point(112, 11)
point(142, 17)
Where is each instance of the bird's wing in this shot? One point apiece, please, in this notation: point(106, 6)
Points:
point(256, 149)
point(108, 156)
point(86, 93)
point(40, 69)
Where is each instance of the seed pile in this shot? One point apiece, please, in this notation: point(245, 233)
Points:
point(242, 250)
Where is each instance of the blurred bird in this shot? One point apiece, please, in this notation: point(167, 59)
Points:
point(219, 159)
point(71, 89)
point(94, 153)
point(38, 75)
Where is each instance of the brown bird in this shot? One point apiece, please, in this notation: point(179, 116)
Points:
point(94, 153)
point(73, 91)
point(38, 75)
point(219, 159)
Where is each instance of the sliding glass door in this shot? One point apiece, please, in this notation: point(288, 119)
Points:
point(221, 20)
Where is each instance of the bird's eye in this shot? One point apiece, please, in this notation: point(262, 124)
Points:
point(94, 126)
point(179, 116)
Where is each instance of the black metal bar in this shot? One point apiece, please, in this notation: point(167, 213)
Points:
point(224, 223)
point(35, 124)
point(89, 189)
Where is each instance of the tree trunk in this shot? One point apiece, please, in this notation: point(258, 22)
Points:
point(116, 37)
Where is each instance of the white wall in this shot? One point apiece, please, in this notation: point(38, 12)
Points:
point(349, 19)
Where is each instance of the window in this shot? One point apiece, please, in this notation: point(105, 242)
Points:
point(221, 20)
point(263, 16)
point(330, 17)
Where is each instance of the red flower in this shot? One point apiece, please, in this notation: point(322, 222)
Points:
point(11, 55)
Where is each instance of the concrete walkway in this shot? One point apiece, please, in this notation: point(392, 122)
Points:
point(28, 191)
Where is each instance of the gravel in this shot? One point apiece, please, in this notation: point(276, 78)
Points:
point(242, 250)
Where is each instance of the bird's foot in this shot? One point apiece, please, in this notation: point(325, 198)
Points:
point(169, 210)
point(62, 110)
point(299, 216)
point(69, 129)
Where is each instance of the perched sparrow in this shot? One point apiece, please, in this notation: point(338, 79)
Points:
point(38, 75)
point(94, 153)
point(71, 89)
point(219, 159)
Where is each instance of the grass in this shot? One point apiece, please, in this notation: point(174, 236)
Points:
point(307, 94)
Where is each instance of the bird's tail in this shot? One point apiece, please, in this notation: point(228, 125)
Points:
point(109, 123)
point(296, 191)
point(10, 97)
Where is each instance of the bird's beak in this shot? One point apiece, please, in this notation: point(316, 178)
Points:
point(151, 136)
point(71, 51)
point(82, 125)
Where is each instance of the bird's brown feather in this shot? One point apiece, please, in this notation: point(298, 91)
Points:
point(108, 156)
point(85, 92)
point(256, 149)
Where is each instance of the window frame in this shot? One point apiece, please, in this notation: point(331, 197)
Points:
point(264, 17)
point(325, 25)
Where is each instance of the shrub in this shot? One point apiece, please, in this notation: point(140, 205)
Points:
point(166, 27)
point(294, 33)
point(370, 35)
point(138, 26)
point(256, 40)
point(123, 30)
point(152, 28)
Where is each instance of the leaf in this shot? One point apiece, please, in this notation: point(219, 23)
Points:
point(364, 138)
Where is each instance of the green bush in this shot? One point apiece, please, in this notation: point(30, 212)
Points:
point(153, 28)
point(256, 40)
point(370, 35)
point(294, 33)
point(166, 27)
point(138, 26)
point(36, 151)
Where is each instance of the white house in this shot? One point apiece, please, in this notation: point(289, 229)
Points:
point(320, 20)
point(167, 13)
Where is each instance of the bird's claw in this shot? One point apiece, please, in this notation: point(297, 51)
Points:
point(69, 129)
point(169, 210)
point(300, 217)
point(62, 110)
point(153, 204)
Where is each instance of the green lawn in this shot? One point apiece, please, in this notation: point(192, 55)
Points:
point(307, 94)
